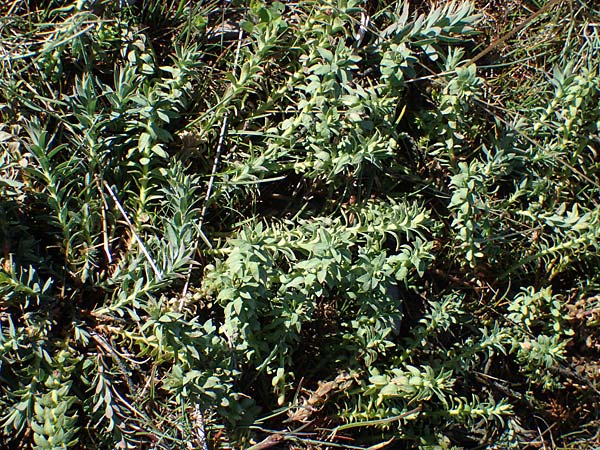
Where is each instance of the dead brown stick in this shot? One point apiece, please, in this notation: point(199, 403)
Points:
point(268, 442)
point(498, 42)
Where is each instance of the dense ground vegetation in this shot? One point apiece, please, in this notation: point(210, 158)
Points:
point(346, 224)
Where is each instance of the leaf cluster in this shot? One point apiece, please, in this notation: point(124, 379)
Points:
point(325, 222)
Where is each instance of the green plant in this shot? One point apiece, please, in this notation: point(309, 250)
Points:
point(314, 225)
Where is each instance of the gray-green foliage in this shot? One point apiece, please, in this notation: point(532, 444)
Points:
point(317, 223)
point(272, 280)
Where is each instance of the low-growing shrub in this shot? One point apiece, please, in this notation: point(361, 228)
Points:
point(303, 225)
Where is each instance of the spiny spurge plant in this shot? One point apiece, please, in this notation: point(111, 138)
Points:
point(310, 225)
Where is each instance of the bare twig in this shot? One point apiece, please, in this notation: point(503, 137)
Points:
point(381, 444)
point(108, 348)
point(268, 442)
point(199, 429)
point(211, 181)
point(498, 42)
point(367, 423)
point(135, 235)
point(104, 227)
point(493, 45)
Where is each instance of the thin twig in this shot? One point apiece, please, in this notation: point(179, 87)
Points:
point(498, 42)
point(104, 227)
point(12, 8)
point(135, 235)
point(199, 428)
point(211, 182)
point(367, 423)
point(493, 45)
point(107, 347)
point(198, 413)
point(268, 442)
